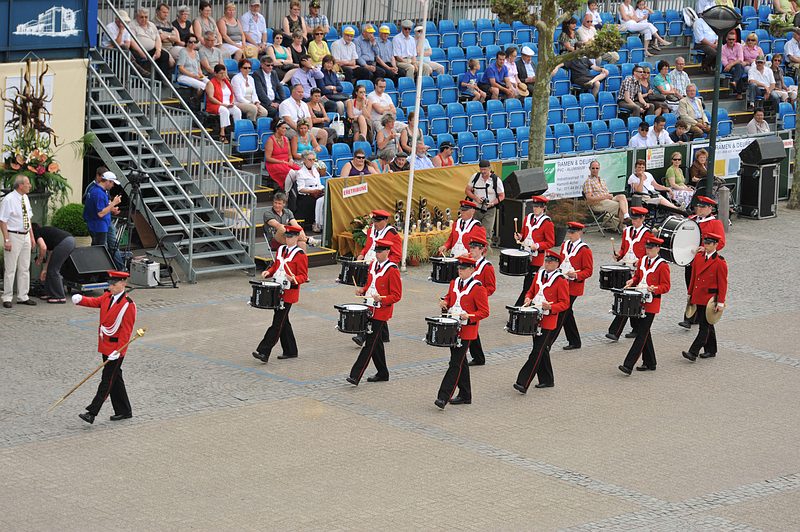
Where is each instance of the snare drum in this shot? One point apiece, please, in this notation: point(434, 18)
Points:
point(614, 276)
point(442, 332)
point(443, 269)
point(681, 240)
point(266, 294)
point(514, 262)
point(353, 318)
point(523, 320)
point(354, 272)
point(628, 303)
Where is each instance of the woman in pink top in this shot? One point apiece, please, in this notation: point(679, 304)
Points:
point(733, 63)
point(751, 51)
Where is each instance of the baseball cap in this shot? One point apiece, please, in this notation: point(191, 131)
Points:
point(349, 31)
point(384, 29)
point(369, 28)
point(407, 24)
point(109, 176)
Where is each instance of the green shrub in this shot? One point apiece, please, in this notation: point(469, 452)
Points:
point(70, 219)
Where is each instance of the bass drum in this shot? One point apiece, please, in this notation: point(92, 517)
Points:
point(514, 262)
point(681, 240)
point(523, 320)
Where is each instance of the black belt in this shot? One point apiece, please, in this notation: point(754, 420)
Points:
point(713, 290)
point(18, 232)
point(657, 296)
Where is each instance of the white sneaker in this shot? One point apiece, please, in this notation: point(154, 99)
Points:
point(313, 241)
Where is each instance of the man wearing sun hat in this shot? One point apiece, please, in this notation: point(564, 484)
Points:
point(345, 54)
point(405, 50)
point(384, 54)
point(367, 64)
point(709, 286)
point(577, 265)
point(117, 318)
point(652, 278)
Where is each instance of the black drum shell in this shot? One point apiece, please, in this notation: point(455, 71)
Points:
point(614, 276)
point(443, 271)
point(266, 295)
point(442, 334)
point(353, 318)
point(351, 269)
point(523, 323)
point(514, 265)
point(628, 303)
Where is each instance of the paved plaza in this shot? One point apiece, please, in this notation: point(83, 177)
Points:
point(220, 441)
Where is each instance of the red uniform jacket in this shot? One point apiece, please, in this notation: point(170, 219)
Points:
point(660, 278)
point(387, 284)
point(484, 272)
point(388, 233)
point(542, 232)
point(476, 230)
point(710, 224)
point(297, 262)
point(709, 277)
point(474, 302)
point(630, 234)
point(116, 321)
point(583, 260)
point(556, 293)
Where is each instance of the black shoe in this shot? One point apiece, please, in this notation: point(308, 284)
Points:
point(352, 381)
point(631, 334)
point(440, 403)
point(612, 337)
point(570, 347)
point(261, 356)
point(7, 304)
point(645, 368)
point(685, 324)
point(707, 355)
point(689, 356)
point(375, 378)
point(520, 388)
point(544, 385)
point(474, 362)
point(623, 369)
point(359, 340)
point(87, 417)
point(458, 400)
point(117, 417)
point(29, 302)
point(282, 357)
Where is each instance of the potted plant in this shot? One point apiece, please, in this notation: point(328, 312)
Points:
point(434, 243)
point(417, 253)
point(358, 228)
point(69, 218)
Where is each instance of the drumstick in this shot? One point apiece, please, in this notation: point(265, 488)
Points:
point(516, 229)
point(613, 251)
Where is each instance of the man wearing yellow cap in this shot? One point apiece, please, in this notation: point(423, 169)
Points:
point(345, 54)
point(367, 64)
point(384, 54)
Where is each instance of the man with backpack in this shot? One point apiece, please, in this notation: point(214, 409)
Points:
point(485, 188)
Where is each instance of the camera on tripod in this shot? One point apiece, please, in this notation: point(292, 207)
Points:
point(136, 178)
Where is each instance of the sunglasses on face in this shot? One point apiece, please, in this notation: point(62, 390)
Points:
point(320, 33)
point(359, 157)
point(191, 42)
point(678, 159)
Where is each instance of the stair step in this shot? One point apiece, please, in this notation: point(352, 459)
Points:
point(182, 212)
point(119, 116)
point(218, 253)
point(207, 240)
point(121, 129)
point(222, 268)
point(172, 197)
point(182, 183)
point(130, 143)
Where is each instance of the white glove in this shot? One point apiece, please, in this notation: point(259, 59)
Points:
point(114, 355)
point(76, 298)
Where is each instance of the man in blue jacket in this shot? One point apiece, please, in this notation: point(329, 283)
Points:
point(97, 211)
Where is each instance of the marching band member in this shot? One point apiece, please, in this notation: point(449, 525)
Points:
point(550, 294)
point(538, 234)
point(117, 317)
point(577, 266)
point(704, 216)
point(380, 230)
point(484, 272)
point(709, 279)
point(463, 230)
point(631, 250)
point(652, 277)
point(382, 290)
point(291, 270)
point(466, 299)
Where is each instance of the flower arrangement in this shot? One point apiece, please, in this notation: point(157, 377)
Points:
point(358, 228)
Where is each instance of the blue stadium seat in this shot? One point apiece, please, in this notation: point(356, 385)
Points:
point(457, 60)
point(635, 49)
point(572, 111)
point(522, 32)
point(787, 116)
point(507, 144)
point(491, 52)
point(364, 145)
point(448, 33)
point(232, 67)
point(619, 132)
point(549, 142)
point(489, 148)
point(459, 121)
point(658, 20)
point(340, 154)
point(404, 87)
point(633, 124)
point(555, 114)
point(583, 137)
point(445, 137)
point(672, 120)
point(468, 36)
point(764, 11)
point(438, 56)
point(391, 90)
point(366, 83)
point(244, 137)
point(724, 123)
point(626, 69)
point(602, 137)
point(497, 114)
point(347, 88)
point(749, 17)
point(590, 110)
point(437, 119)
point(264, 130)
point(565, 141)
point(516, 114)
point(468, 151)
point(476, 52)
point(764, 38)
point(332, 35)
point(486, 32)
point(523, 137)
point(478, 119)
point(559, 84)
point(650, 119)
point(448, 91)
point(431, 144)
point(674, 22)
point(614, 79)
point(505, 33)
point(430, 94)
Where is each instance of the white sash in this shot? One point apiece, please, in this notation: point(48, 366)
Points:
point(480, 265)
point(538, 299)
point(456, 309)
point(642, 286)
point(284, 256)
point(378, 270)
point(706, 219)
point(374, 235)
point(566, 265)
point(111, 331)
point(630, 257)
point(528, 242)
point(459, 248)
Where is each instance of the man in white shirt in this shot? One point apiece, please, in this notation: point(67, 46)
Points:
point(292, 109)
point(586, 34)
point(255, 26)
point(639, 140)
point(15, 224)
point(486, 189)
point(381, 104)
point(792, 52)
point(310, 190)
point(117, 32)
point(345, 53)
point(526, 69)
point(760, 80)
point(421, 160)
point(705, 40)
point(405, 50)
point(658, 135)
point(678, 77)
point(244, 92)
point(643, 183)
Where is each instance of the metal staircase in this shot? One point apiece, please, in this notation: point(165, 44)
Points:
point(192, 189)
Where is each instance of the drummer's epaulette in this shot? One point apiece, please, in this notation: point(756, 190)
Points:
point(720, 256)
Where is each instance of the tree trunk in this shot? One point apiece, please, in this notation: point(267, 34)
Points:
point(539, 108)
point(794, 194)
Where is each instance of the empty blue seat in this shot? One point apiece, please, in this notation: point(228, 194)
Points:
point(565, 141)
point(497, 114)
point(468, 36)
point(367, 84)
point(590, 110)
point(601, 134)
point(340, 154)
point(515, 112)
point(448, 33)
point(522, 32)
point(560, 84)
point(555, 114)
point(448, 90)
point(614, 79)
point(583, 137)
point(468, 151)
point(478, 119)
point(633, 124)
point(486, 32)
point(244, 137)
point(674, 22)
point(724, 123)
point(264, 130)
point(787, 116)
point(458, 118)
point(489, 149)
point(457, 60)
point(619, 132)
point(507, 144)
point(635, 49)
point(572, 111)
point(437, 120)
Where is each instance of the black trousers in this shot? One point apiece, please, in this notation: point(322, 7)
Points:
point(710, 54)
point(526, 284)
point(353, 74)
point(111, 383)
point(476, 350)
point(706, 335)
point(372, 350)
point(281, 329)
point(618, 325)
point(538, 362)
point(457, 374)
point(569, 324)
point(643, 343)
point(687, 276)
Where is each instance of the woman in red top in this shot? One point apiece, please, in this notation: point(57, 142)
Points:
point(219, 100)
point(278, 154)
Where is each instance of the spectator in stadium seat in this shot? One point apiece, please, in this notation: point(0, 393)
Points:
point(331, 86)
point(319, 115)
point(691, 111)
point(220, 101)
point(638, 23)
point(468, 82)
point(383, 162)
point(358, 165)
point(293, 109)
point(698, 172)
point(210, 55)
point(568, 38)
point(170, 40)
point(750, 51)
point(384, 54)
point(586, 34)
point(422, 161)
point(792, 51)
point(293, 22)
point(281, 58)
point(278, 154)
point(658, 135)
point(268, 87)
point(513, 75)
point(244, 92)
point(586, 74)
point(405, 51)
point(304, 141)
point(205, 23)
point(189, 70)
point(495, 79)
point(358, 111)
point(639, 140)
point(681, 133)
point(663, 87)
point(733, 63)
point(630, 94)
point(427, 51)
point(676, 181)
point(307, 76)
point(757, 125)
point(255, 27)
point(380, 104)
point(760, 80)
point(365, 44)
point(345, 54)
point(656, 101)
point(599, 199)
point(785, 91)
point(642, 183)
point(784, 7)
point(678, 78)
point(407, 135)
point(400, 163)
point(310, 190)
point(705, 40)
point(184, 26)
point(297, 48)
point(526, 69)
point(387, 138)
point(593, 11)
point(147, 34)
point(444, 158)
point(316, 20)
point(318, 48)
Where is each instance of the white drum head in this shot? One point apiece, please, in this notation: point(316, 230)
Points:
point(685, 242)
point(631, 292)
point(446, 321)
point(614, 267)
point(354, 306)
point(449, 259)
point(515, 253)
point(270, 283)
